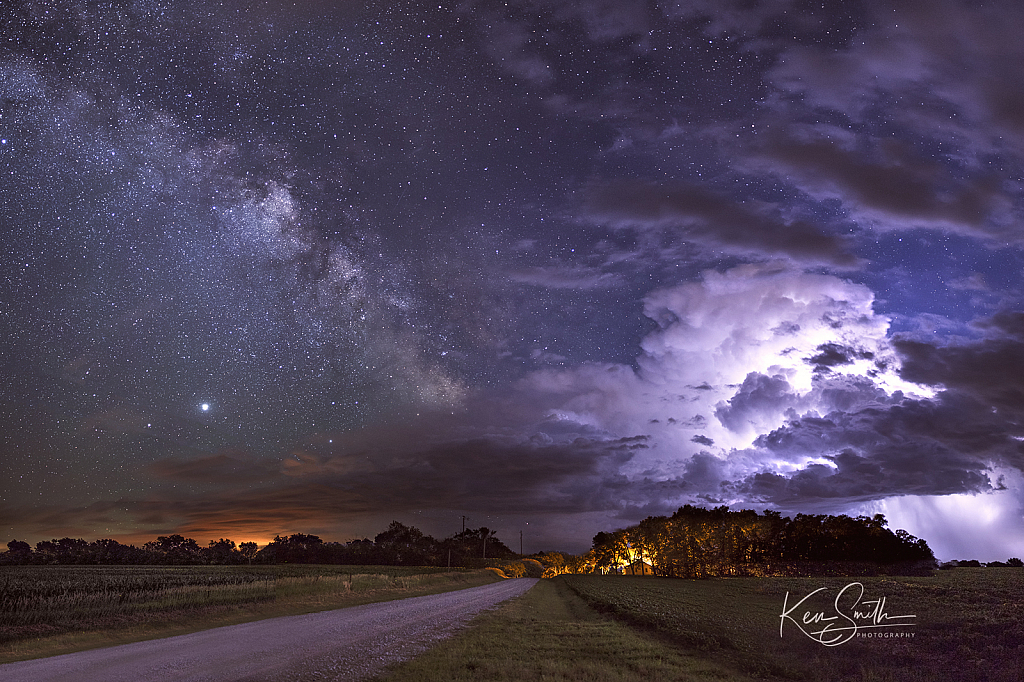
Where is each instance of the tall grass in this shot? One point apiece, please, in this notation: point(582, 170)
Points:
point(43, 600)
point(57, 596)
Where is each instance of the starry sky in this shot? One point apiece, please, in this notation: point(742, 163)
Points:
point(273, 267)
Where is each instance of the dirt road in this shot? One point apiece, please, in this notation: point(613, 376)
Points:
point(347, 644)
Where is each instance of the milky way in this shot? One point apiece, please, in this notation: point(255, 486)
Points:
point(274, 268)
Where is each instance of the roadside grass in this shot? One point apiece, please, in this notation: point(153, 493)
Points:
point(51, 610)
point(968, 626)
point(549, 633)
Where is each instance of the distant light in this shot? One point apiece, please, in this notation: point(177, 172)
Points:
point(205, 406)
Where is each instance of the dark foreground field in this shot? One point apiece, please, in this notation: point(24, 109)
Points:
point(49, 610)
point(968, 625)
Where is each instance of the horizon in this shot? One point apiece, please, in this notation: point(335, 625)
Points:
point(205, 542)
point(555, 266)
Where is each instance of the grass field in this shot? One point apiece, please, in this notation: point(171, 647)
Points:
point(968, 622)
point(48, 610)
point(549, 633)
point(968, 626)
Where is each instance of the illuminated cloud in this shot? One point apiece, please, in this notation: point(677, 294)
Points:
point(736, 356)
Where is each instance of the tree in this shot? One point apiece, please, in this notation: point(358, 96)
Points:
point(18, 547)
point(18, 552)
point(404, 545)
point(696, 542)
point(221, 552)
point(604, 551)
point(248, 550)
point(298, 548)
point(108, 551)
point(63, 551)
point(174, 549)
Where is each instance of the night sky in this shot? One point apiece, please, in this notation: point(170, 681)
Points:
point(274, 267)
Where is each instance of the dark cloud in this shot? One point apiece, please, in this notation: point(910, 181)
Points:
point(758, 397)
point(990, 371)
point(834, 355)
point(233, 492)
point(910, 447)
point(855, 478)
point(713, 219)
point(565, 277)
point(230, 468)
point(891, 186)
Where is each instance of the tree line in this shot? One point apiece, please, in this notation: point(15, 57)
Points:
point(398, 545)
point(697, 543)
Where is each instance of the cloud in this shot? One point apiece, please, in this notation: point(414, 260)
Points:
point(989, 372)
point(735, 355)
point(233, 467)
point(912, 447)
point(885, 185)
point(605, 20)
point(509, 44)
point(985, 526)
point(760, 397)
point(745, 18)
point(565, 277)
point(880, 445)
point(711, 219)
point(909, 114)
point(767, 386)
point(234, 493)
point(941, 65)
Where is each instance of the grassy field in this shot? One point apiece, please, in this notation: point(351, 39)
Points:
point(549, 633)
point(968, 626)
point(49, 610)
point(968, 623)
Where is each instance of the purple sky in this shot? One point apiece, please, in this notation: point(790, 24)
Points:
point(555, 266)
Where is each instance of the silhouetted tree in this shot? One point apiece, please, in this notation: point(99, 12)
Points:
point(63, 551)
point(221, 552)
point(18, 547)
point(174, 549)
point(248, 550)
point(298, 548)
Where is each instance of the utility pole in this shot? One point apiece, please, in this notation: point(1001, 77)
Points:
point(464, 518)
point(520, 543)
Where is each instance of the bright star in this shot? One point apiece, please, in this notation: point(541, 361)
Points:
point(205, 406)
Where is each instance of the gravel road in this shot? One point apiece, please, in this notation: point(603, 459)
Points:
point(346, 644)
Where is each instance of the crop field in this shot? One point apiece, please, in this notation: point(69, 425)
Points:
point(967, 623)
point(38, 601)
